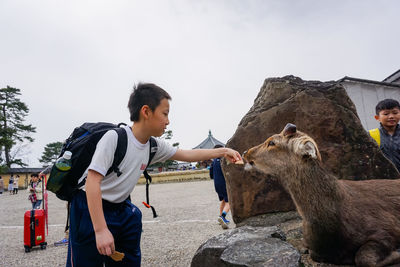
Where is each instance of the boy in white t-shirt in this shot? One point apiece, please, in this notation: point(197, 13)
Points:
point(103, 219)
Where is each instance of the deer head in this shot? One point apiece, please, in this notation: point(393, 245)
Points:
point(282, 151)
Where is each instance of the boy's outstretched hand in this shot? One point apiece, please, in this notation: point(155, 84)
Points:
point(232, 155)
point(205, 154)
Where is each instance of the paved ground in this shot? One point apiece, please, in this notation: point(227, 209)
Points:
point(187, 217)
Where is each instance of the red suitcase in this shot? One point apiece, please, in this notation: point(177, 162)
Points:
point(34, 225)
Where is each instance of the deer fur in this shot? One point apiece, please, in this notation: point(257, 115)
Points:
point(344, 222)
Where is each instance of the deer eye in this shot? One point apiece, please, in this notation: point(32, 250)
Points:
point(271, 143)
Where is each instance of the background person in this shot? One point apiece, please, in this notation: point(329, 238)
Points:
point(1, 185)
point(11, 184)
point(35, 189)
point(388, 134)
point(15, 185)
point(220, 187)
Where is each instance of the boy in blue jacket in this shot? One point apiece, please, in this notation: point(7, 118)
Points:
point(387, 135)
point(103, 219)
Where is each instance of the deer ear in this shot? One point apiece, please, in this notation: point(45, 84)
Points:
point(289, 130)
point(309, 150)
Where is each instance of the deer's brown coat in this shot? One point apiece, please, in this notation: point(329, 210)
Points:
point(344, 222)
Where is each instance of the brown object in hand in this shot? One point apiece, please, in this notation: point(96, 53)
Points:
point(117, 256)
point(239, 162)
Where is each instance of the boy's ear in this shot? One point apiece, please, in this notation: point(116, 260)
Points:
point(376, 117)
point(145, 111)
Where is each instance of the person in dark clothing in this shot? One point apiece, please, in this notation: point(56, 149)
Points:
point(220, 188)
point(388, 134)
point(1, 185)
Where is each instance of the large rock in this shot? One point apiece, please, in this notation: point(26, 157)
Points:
point(247, 246)
point(324, 111)
point(273, 239)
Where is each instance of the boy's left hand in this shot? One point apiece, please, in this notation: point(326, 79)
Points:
point(232, 155)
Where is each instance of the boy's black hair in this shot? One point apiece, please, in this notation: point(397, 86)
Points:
point(386, 104)
point(145, 94)
point(34, 175)
point(218, 146)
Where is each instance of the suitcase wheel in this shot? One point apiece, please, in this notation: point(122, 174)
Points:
point(27, 249)
point(43, 246)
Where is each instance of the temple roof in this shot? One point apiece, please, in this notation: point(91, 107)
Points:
point(209, 142)
point(24, 170)
point(394, 78)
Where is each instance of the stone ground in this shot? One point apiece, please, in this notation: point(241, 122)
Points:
point(187, 218)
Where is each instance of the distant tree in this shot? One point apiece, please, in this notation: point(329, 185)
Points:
point(3, 167)
point(13, 131)
point(167, 136)
point(51, 153)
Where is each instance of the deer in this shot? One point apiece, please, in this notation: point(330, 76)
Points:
point(344, 222)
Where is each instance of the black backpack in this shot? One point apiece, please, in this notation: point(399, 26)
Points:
point(82, 143)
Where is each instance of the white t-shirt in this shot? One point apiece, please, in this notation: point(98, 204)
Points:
point(15, 184)
point(116, 189)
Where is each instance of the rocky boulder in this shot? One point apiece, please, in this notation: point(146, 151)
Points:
point(273, 239)
point(324, 111)
point(247, 246)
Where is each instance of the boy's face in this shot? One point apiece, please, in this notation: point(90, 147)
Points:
point(158, 118)
point(389, 117)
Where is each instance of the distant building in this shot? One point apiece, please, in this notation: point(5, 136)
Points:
point(394, 78)
point(24, 175)
point(208, 143)
point(365, 94)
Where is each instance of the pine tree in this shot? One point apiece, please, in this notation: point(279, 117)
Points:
point(51, 153)
point(13, 131)
point(167, 136)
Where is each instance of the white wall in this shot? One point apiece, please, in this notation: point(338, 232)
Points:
point(365, 97)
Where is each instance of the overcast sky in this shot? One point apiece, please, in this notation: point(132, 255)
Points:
point(77, 61)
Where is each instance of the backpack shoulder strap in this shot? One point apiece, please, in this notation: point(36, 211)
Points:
point(374, 133)
point(153, 149)
point(120, 151)
point(152, 152)
point(119, 154)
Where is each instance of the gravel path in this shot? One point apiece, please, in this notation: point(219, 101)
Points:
point(187, 218)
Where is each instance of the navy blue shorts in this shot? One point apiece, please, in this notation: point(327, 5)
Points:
point(124, 221)
point(220, 188)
